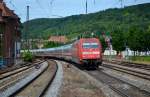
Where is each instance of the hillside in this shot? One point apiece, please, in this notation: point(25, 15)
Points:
point(108, 21)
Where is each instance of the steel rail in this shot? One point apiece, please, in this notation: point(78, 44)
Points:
point(110, 81)
point(4, 92)
point(30, 82)
point(130, 64)
point(3, 71)
point(128, 71)
point(113, 88)
point(50, 82)
point(13, 73)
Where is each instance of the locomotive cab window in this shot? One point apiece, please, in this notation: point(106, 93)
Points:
point(90, 45)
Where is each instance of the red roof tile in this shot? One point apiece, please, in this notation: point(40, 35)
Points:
point(61, 39)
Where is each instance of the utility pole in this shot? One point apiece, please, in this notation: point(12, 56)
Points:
point(86, 6)
point(121, 3)
point(94, 2)
point(27, 29)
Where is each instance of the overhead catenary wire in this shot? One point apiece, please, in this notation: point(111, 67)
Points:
point(51, 9)
point(52, 1)
point(121, 2)
point(42, 8)
point(10, 2)
point(51, 6)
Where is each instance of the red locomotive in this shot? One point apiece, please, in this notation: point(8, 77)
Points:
point(87, 52)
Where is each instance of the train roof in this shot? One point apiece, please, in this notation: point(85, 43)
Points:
point(89, 40)
point(50, 49)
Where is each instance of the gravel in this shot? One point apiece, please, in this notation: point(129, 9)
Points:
point(38, 86)
point(77, 83)
point(136, 81)
point(22, 82)
point(53, 90)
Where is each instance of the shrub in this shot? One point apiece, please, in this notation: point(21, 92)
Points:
point(27, 56)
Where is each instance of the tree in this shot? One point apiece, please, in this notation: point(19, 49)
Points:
point(52, 44)
point(138, 39)
point(103, 43)
point(147, 38)
point(118, 40)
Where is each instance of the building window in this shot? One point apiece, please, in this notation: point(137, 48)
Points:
point(1, 40)
point(0, 13)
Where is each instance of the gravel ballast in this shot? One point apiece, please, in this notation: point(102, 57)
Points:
point(136, 81)
point(53, 90)
point(77, 83)
point(22, 82)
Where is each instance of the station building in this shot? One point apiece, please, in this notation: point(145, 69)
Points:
point(10, 35)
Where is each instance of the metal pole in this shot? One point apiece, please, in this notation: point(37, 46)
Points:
point(121, 3)
point(27, 29)
point(110, 51)
point(61, 45)
point(86, 6)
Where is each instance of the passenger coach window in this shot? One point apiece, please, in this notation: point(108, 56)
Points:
point(90, 45)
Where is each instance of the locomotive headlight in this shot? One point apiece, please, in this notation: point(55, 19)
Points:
point(85, 53)
point(95, 52)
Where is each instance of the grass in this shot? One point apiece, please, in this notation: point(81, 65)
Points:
point(142, 59)
point(136, 59)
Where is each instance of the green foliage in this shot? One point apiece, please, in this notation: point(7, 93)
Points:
point(118, 42)
point(140, 58)
point(139, 39)
point(129, 26)
point(52, 44)
point(101, 21)
point(27, 56)
point(104, 45)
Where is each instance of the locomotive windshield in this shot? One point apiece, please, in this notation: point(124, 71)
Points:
point(90, 45)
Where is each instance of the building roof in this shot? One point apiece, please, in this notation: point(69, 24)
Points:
point(60, 39)
point(6, 12)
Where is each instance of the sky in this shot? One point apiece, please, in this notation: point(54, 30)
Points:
point(63, 8)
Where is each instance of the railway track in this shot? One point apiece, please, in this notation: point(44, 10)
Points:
point(130, 64)
point(13, 68)
point(38, 86)
point(135, 71)
point(10, 72)
point(122, 88)
point(16, 82)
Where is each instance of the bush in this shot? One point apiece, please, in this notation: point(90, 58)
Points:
point(27, 56)
point(52, 44)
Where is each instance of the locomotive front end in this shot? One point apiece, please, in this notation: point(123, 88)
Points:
point(91, 53)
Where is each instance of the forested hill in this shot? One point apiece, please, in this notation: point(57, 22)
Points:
point(110, 20)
